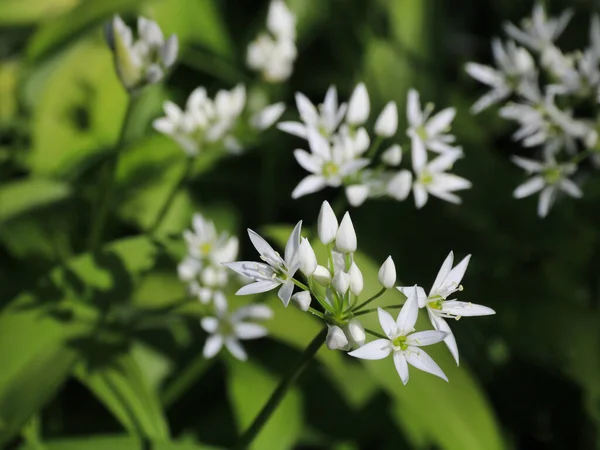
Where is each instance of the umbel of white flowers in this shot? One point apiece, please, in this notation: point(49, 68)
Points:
point(547, 93)
point(144, 60)
point(342, 153)
point(332, 291)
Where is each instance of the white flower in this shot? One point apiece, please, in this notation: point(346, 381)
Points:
point(145, 60)
point(429, 132)
point(341, 282)
point(345, 240)
point(302, 300)
point(274, 58)
point(392, 156)
point(322, 276)
point(325, 118)
point(328, 165)
point(266, 117)
point(387, 122)
point(446, 283)
point(307, 258)
point(357, 194)
point(402, 342)
point(398, 187)
point(204, 243)
point(355, 333)
point(539, 32)
point(228, 329)
point(358, 106)
point(514, 64)
point(387, 273)
point(430, 177)
point(327, 224)
point(275, 271)
point(281, 21)
point(336, 338)
point(549, 178)
point(356, 279)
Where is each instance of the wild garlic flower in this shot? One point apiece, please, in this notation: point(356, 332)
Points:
point(228, 329)
point(438, 304)
point(548, 178)
point(202, 267)
point(145, 60)
point(402, 342)
point(273, 52)
point(343, 154)
point(206, 122)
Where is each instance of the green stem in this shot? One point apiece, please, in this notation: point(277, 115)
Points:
point(367, 311)
point(373, 150)
point(366, 302)
point(167, 204)
point(374, 333)
point(109, 184)
point(279, 393)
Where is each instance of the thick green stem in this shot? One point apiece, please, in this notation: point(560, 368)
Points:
point(167, 204)
point(366, 302)
point(108, 187)
point(279, 393)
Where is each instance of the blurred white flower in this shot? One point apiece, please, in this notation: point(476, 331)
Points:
point(402, 342)
point(359, 106)
point(267, 116)
point(228, 329)
point(386, 124)
point(549, 178)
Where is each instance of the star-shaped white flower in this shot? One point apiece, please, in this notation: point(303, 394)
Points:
point(275, 271)
point(549, 178)
point(228, 329)
point(446, 283)
point(431, 177)
point(325, 118)
point(328, 164)
point(430, 132)
point(402, 342)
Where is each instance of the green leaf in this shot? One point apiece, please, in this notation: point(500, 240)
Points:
point(22, 196)
point(115, 443)
point(66, 29)
point(249, 389)
point(40, 331)
point(121, 386)
point(19, 12)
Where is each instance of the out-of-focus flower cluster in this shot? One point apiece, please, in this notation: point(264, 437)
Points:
point(332, 291)
point(273, 52)
point(224, 121)
point(342, 153)
point(202, 269)
point(552, 96)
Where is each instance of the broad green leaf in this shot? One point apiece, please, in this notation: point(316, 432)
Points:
point(470, 426)
point(23, 12)
point(67, 28)
point(249, 389)
point(79, 108)
point(19, 197)
point(40, 331)
point(121, 386)
point(9, 74)
point(104, 442)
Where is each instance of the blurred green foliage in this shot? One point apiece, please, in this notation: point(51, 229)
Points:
point(102, 351)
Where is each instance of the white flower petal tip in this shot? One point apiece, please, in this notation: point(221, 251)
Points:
point(357, 194)
point(358, 106)
point(387, 122)
point(302, 300)
point(322, 276)
point(327, 224)
point(345, 240)
point(387, 273)
point(356, 279)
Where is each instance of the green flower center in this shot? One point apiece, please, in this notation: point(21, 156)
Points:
point(422, 133)
point(426, 178)
point(400, 342)
point(330, 169)
point(225, 328)
point(206, 248)
point(552, 175)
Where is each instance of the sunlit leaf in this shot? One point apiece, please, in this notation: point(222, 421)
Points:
point(20, 12)
point(20, 197)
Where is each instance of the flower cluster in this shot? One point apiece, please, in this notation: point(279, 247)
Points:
point(550, 95)
point(342, 152)
point(145, 60)
point(221, 121)
point(337, 285)
point(207, 280)
point(273, 52)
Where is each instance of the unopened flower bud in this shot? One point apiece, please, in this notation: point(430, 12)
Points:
point(358, 106)
point(345, 240)
point(356, 279)
point(387, 273)
point(327, 224)
point(361, 141)
point(322, 276)
point(355, 333)
point(307, 257)
point(302, 300)
point(336, 339)
point(392, 156)
point(357, 194)
point(400, 185)
point(387, 122)
point(341, 282)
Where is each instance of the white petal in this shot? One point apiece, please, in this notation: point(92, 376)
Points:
point(421, 295)
point(377, 349)
point(392, 156)
point(420, 194)
point(319, 145)
point(445, 161)
point(419, 154)
point(570, 188)
point(212, 345)
point(357, 194)
point(291, 249)
point(416, 357)
point(358, 106)
point(449, 182)
point(310, 184)
point(399, 186)
point(387, 122)
point(285, 292)
point(465, 309)
point(545, 201)
point(257, 312)
point(446, 196)
point(209, 324)
point(345, 239)
point(456, 275)
point(264, 248)
point(441, 325)
point(440, 122)
point(307, 161)
point(401, 366)
point(484, 74)
point(531, 186)
point(294, 128)
point(408, 314)
point(266, 117)
point(236, 349)
point(307, 110)
point(423, 338)
point(249, 331)
point(528, 164)
point(442, 273)
point(388, 324)
point(257, 287)
point(327, 224)
point(413, 109)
